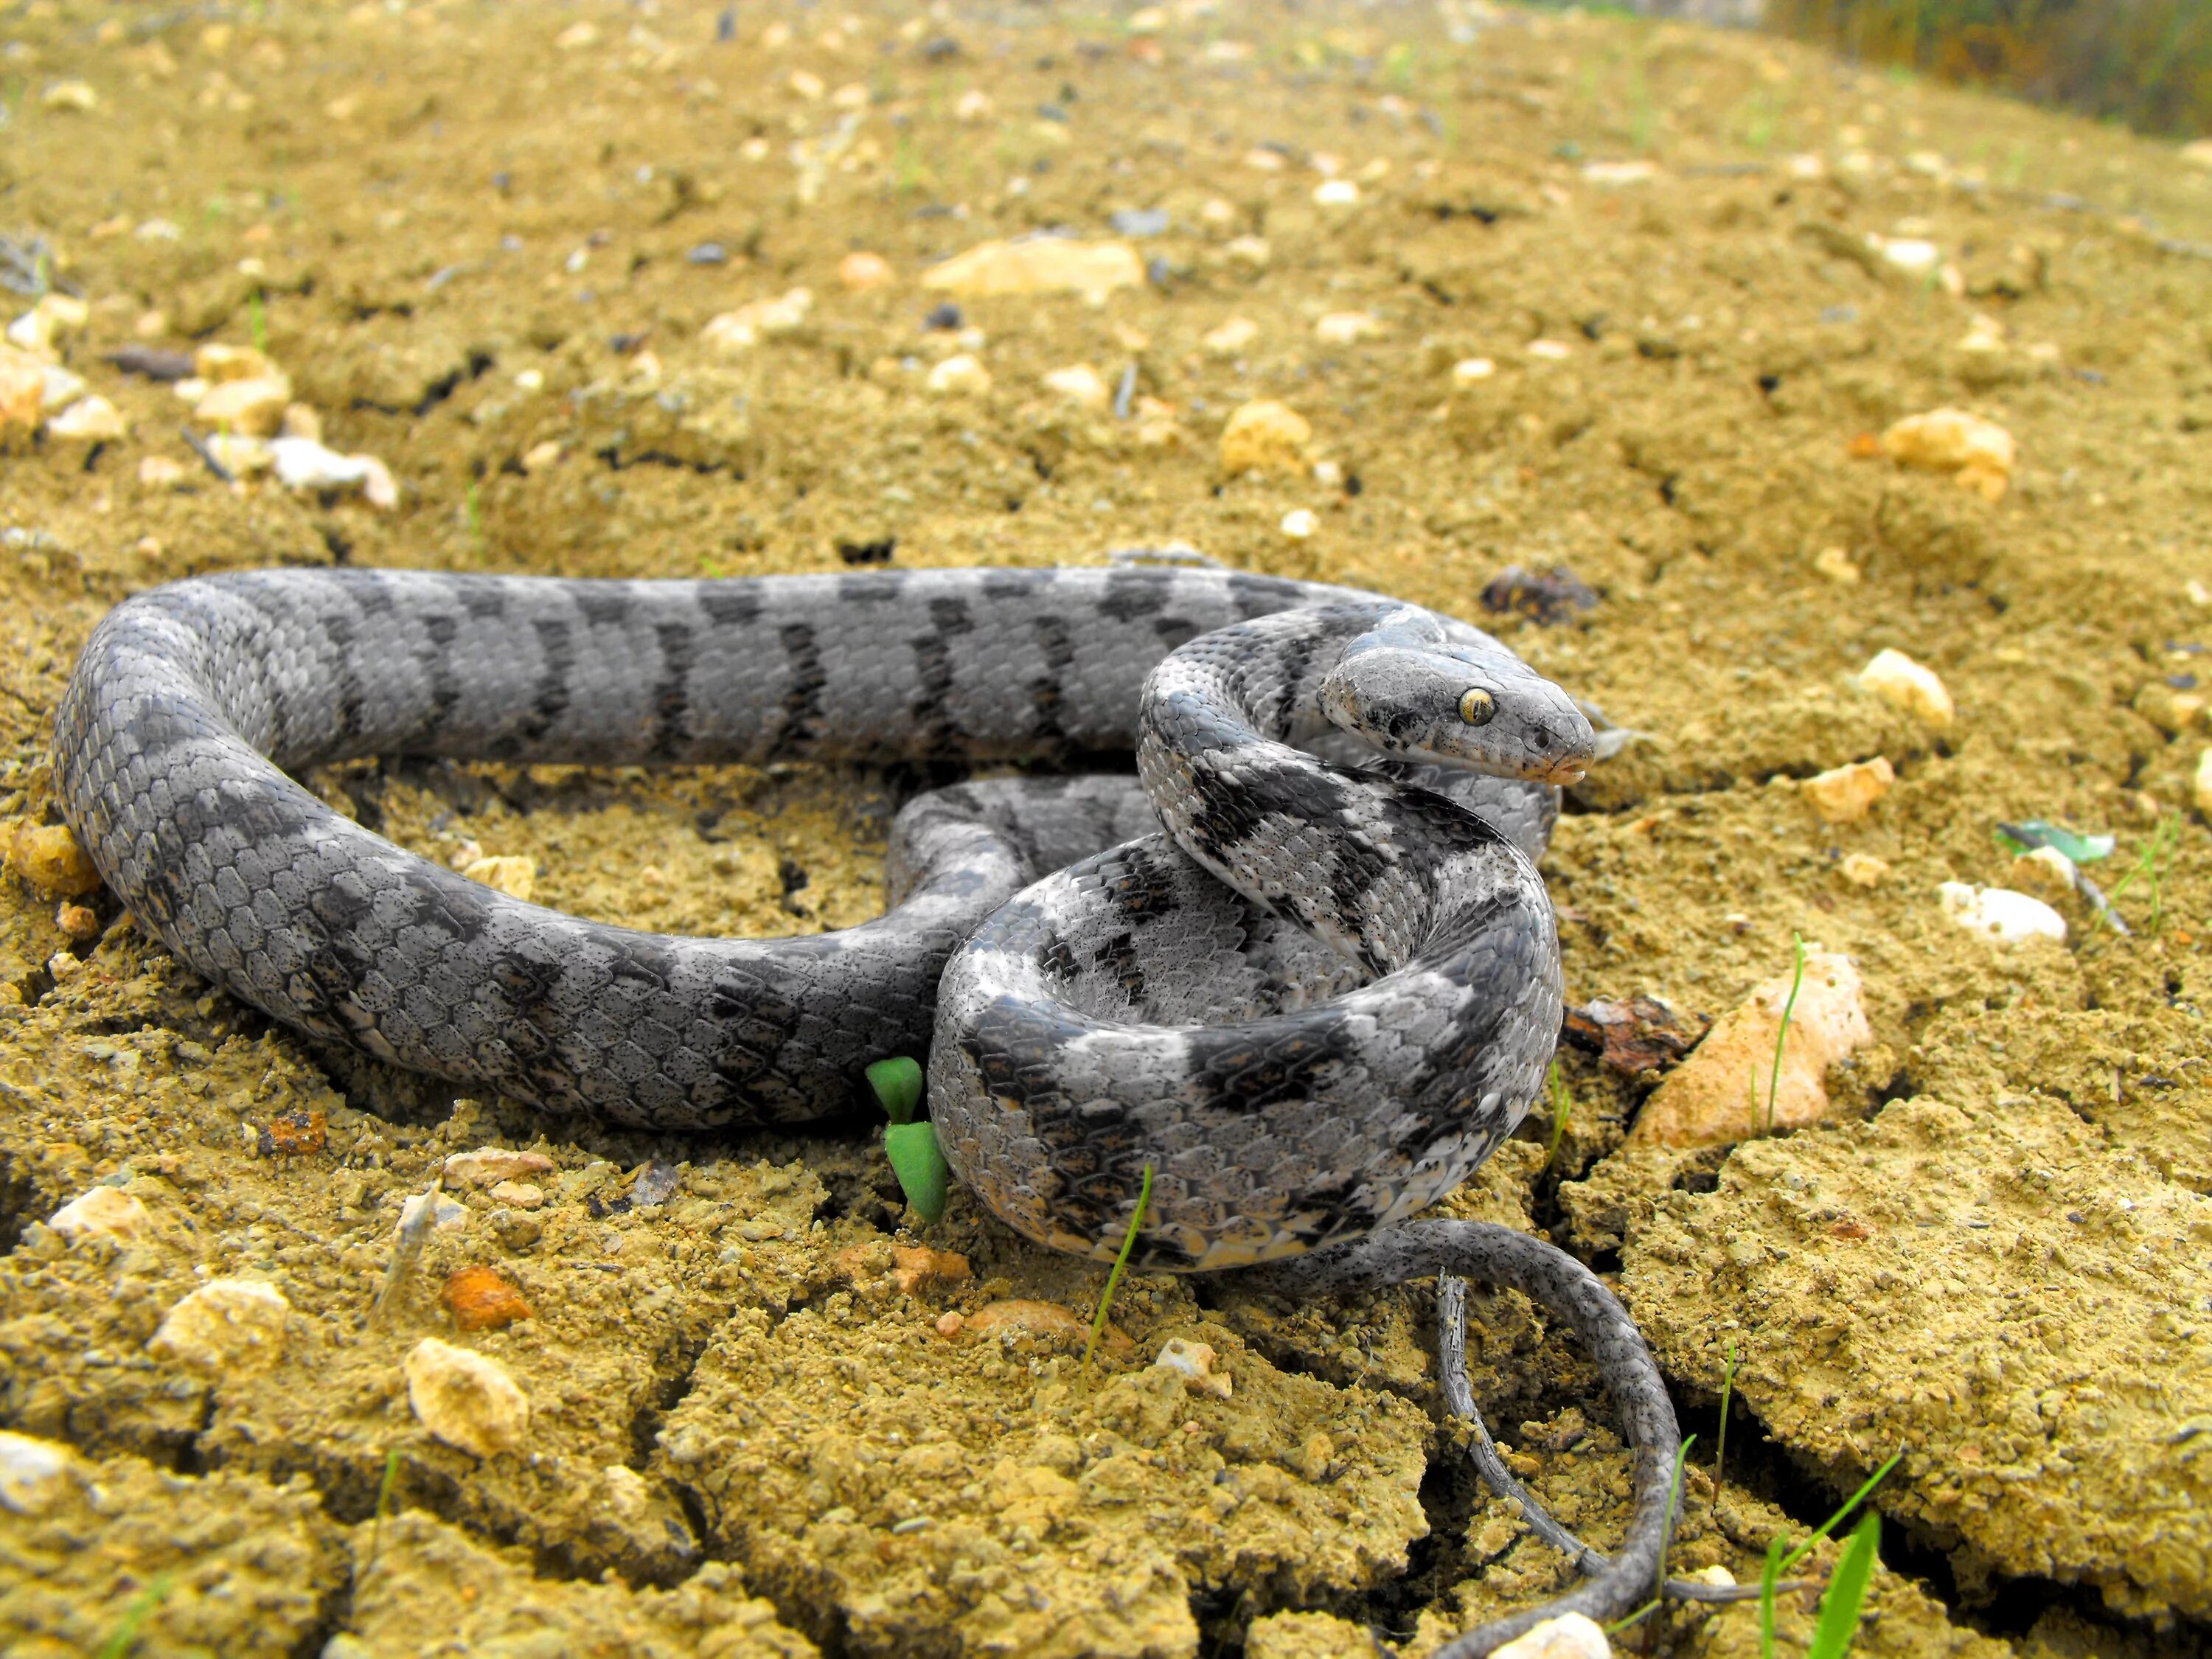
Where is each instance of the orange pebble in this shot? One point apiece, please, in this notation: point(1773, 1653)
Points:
point(481, 1300)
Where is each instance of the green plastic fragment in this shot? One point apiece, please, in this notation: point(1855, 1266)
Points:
point(2030, 833)
point(919, 1162)
point(897, 1083)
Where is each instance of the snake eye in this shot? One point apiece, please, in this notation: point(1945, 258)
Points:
point(1477, 706)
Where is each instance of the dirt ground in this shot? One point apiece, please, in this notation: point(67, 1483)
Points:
point(489, 245)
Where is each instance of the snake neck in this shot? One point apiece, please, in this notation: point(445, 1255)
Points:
point(1378, 871)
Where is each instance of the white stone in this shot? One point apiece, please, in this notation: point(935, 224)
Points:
point(1571, 1635)
point(306, 464)
point(2202, 782)
point(465, 1399)
point(1299, 523)
point(1897, 679)
point(961, 376)
point(1912, 255)
point(61, 386)
point(34, 1474)
point(1231, 339)
point(1619, 173)
point(1550, 351)
point(1469, 370)
point(1080, 384)
point(102, 1213)
point(226, 1325)
point(1999, 914)
point(1336, 193)
point(1193, 1362)
point(762, 320)
point(1346, 327)
point(89, 420)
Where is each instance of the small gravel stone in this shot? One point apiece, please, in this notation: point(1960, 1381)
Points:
point(465, 1399)
point(1336, 193)
point(959, 376)
point(2202, 783)
point(35, 1474)
point(89, 420)
point(227, 1325)
point(254, 408)
point(861, 271)
point(1862, 869)
point(1979, 454)
point(1848, 793)
point(1253, 252)
point(102, 1213)
point(1833, 564)
point(1194, 1363)
point(1472, 370)
point(22, 392)
point(1571, 1635)
point(303, 463)
point(481, 1300)
point(1300, 523)
point(161, 472)
point(740, 330)
point(1081, 385)
point(74, 97)
point(1999, 914)
point(1346, 328)
point(1897, 680)
point(80, 922)
point(1265, 436)
point(1231, 339)
point(487, 1165)
point(916, 1266)
point(1049, 264)
point(48, 857)
point(513, 876)
point(216, 363)
point(519, 1194)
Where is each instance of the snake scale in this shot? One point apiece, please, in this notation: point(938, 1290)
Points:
point(1308, 995)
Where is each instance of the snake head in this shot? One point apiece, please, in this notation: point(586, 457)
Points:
point(1472, 704)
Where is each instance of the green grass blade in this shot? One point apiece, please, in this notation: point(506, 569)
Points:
point(1837, 1519)
point(1769, 1576)
point(1728, 1387)
point(1847, 1588)
point(136, 1615)
point(1781, 1035)
point(1114, 1279)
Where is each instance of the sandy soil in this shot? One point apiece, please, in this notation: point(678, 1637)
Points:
point(477, 241)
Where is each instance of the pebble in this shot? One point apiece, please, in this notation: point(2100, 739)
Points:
point(227, 1325)
point(1862, 869)
point(1550, 351)
point(300, 420)
point(481, 1300)
point(74, 96)
point(917, 1265)
point(1833, 564)
point(2202, 785)
point(79, 921)
point(862, 270)
point(488, 1165)
point(465, 1399)
point(762, 320)
point(1999, 914)
point(240, 456)
point(2046, 870)
point(89, 420)
point(1025, 1327)
point(1616, 173)
point(1138, 221)
point(161, 471)
point(48, 857)
point(1469, 371)
point(541, 455)
point(216, 363)
point(1913, 255)
point(974, 106)
point(1265, 436)
point(255, 407)
point(102, 1213)
point(35, 1474)
point(519, 1193)
point(1081, 385)
point(1231, 338)
point(1897, 680)
point(1336, 193)
point(1571, 1635)
point(515, 876)
point(1299, 523)
point(1254, 253)
point(1346, 327)
point(305, 464)
point(1046, 264)
point(1195, 1362)
point(1980, 454)
point(960, 376)
point(949, 1324)
point(1719, 1092)
point(23, 392)
point(1847, 793)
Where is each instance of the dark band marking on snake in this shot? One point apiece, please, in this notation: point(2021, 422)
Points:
point(1310, 1006)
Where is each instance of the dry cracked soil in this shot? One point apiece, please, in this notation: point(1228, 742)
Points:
point(1545, 290)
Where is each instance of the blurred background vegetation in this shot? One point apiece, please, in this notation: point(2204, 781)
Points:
point(2147, 63)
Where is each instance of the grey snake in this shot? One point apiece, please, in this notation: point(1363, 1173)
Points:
point(1308, 995)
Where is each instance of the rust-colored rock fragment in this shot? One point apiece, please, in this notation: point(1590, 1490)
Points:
point(480, 1299)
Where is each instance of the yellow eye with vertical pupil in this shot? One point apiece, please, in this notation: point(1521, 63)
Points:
point(1477, 706)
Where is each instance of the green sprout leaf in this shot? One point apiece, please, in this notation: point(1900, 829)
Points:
point(919, 1162)
point(897, 1083)
point(1847, 1588)
point(1120, 1262)
point(2030, 833)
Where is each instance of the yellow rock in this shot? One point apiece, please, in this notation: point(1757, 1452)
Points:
point(2045, 871)
point(252, 409)
point(91, 420)
point(216, 363)
point(1049, 264)
point(1346, 328)
point(22, 392)
point(1081, 385)
point(517, 877)
point(1265, 436)
point(1848, 793)
point(227, 1325)
point(1571, 1635)
point(48, 857)
point(1231, 338)
point(73, 96)
point(1980, 453)
point(762, 320)
point(1862, 869)
point(1308, 1636)
point(102, 1213)
point(465, 1399)
point(1897, 680)
point(490, 1163)
point(962, 376)
point(866, 271)
point(1720, 1093)
point(2204, 782)
point(1833, 564)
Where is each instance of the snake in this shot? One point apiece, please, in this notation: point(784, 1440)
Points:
point(1251, 1008)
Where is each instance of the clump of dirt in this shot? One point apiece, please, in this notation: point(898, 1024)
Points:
point(1623, 305)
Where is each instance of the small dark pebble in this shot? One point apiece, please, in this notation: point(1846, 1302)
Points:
point(2182, 682)
point(944, 317)
point(939, 50)
point(709, 253)
point(628, 342)
point(153, 363)
point(502, 182)
point(792, 874)
point(1840, 314)
point(1550, 597)
point(1052, 112)
point(1159, 271)
point(868, 552)
point(1140, 221)
point(2091, 376)
point(726, 24)
point(656, 1183)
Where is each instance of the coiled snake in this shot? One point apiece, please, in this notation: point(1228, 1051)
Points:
point(1310, 1006)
